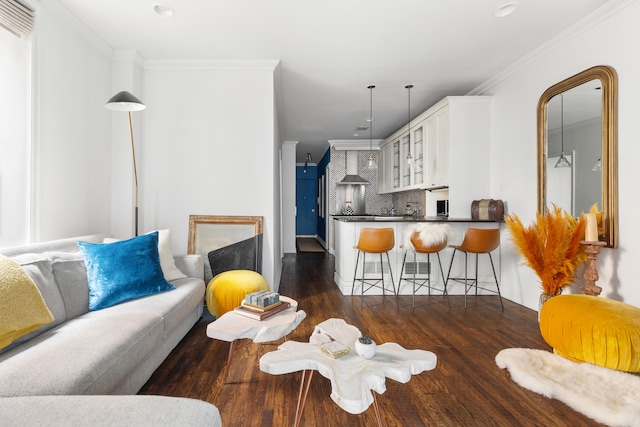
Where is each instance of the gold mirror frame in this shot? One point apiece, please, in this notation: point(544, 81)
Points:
point(608, 76)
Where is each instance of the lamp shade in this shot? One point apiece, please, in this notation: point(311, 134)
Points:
point(125, 101)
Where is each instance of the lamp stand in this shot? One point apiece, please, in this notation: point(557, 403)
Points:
point(135, 172)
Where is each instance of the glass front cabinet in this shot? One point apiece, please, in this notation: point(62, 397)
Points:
point(457, 128)
point(405, 168)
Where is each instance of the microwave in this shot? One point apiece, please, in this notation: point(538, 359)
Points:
point(442, 208)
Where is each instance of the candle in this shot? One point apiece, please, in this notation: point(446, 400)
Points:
point(591, 230)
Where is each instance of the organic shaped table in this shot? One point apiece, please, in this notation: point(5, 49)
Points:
point(232, 326)
point(352, 378)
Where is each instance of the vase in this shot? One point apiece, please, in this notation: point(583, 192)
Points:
point(544, 297)
point(365, 347)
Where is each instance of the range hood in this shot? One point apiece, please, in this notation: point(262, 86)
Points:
point(352, 176)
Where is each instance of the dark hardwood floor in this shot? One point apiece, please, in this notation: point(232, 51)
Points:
point(465, 389)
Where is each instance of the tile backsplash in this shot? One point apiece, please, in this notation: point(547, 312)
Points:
point(374, 203)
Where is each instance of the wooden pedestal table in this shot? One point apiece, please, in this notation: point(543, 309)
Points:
point(352, 378)
point(232, 326)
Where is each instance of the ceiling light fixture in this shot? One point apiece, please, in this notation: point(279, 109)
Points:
point(307, 160)
point(563, 162)
point(163, 10)
point(505, 9)
point(371, 161)
point(409, 156)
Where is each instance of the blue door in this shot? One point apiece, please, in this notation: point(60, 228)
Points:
point(306, 200)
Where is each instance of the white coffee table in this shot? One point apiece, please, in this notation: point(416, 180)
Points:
point(232, 326)
point(352, 378)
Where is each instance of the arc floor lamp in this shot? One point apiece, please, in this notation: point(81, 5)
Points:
point(125, 101)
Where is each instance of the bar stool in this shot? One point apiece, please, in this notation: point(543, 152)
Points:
point(476, 241)
point(418, 247)
point(374, 241)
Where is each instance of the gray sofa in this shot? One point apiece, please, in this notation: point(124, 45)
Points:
point(112, 351)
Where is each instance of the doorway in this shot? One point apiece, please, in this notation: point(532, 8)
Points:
point(306, 201)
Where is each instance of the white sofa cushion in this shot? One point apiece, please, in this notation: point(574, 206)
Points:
point(86, 355)
point(70, 274)
point(107, 411)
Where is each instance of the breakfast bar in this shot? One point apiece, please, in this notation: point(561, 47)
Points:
point(347, 229)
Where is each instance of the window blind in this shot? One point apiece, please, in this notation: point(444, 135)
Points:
point(17, 17)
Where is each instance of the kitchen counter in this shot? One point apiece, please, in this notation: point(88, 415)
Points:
point(347, 232)
point(376, 218)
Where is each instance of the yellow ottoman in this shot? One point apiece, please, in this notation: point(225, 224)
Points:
point(227, 289)
point(597, 330)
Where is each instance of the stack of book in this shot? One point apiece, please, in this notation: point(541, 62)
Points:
point(334, 349)
point(261, 305)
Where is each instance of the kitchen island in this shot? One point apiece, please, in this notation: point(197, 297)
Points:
point(346, 233)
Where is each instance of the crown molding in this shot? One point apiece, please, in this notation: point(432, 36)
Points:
point(211, 64)
point(355, 144)
point(70, 21)
point(601, 14)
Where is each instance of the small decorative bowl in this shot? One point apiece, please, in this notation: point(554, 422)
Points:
point(365, 347)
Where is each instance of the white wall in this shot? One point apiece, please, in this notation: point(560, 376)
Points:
point(209, 148)
point(513, 155)
point(14, 139)
point(71, 140)
point(289, 196)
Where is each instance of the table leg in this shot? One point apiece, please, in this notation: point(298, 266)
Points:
point(302, 399)
point(377, 409)
point(226, 377)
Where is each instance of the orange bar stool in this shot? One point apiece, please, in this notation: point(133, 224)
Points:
point(418, 247)
point(476, 241)
point(374, 241)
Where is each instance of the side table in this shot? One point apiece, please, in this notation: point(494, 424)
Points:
point(232, 326)
point(352, 378)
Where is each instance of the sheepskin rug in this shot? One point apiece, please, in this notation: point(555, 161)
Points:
point(429, 233)
point(608, 396)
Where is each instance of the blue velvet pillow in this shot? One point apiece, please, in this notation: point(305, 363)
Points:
point(124, 270)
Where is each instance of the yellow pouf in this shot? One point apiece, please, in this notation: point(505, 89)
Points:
point(597, 330)
point(227, 289)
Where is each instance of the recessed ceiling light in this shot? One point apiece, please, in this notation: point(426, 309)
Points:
point(505, 10)
point(163, 10)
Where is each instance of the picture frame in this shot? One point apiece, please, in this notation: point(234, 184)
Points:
point(226, 242)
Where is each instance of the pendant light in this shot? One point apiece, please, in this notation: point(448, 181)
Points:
point(563, 162)
point(409, 156)
point(371, 161)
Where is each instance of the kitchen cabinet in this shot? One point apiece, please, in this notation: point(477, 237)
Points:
point(399, 173)
point(437, 149)
point(450, 143)
point(385, 168)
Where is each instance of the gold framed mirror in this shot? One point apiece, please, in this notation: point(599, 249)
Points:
point(578, 148)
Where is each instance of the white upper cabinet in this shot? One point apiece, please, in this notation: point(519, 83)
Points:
point(449, 145)
point(437, 149)
point(403, 157)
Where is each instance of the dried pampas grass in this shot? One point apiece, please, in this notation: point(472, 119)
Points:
point(550, 246)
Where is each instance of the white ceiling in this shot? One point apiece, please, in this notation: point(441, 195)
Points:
point(331, 50)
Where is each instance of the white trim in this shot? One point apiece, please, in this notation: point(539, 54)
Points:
point(355, 144)
point(606, 11)
point(211, 64)
point(71, 22)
